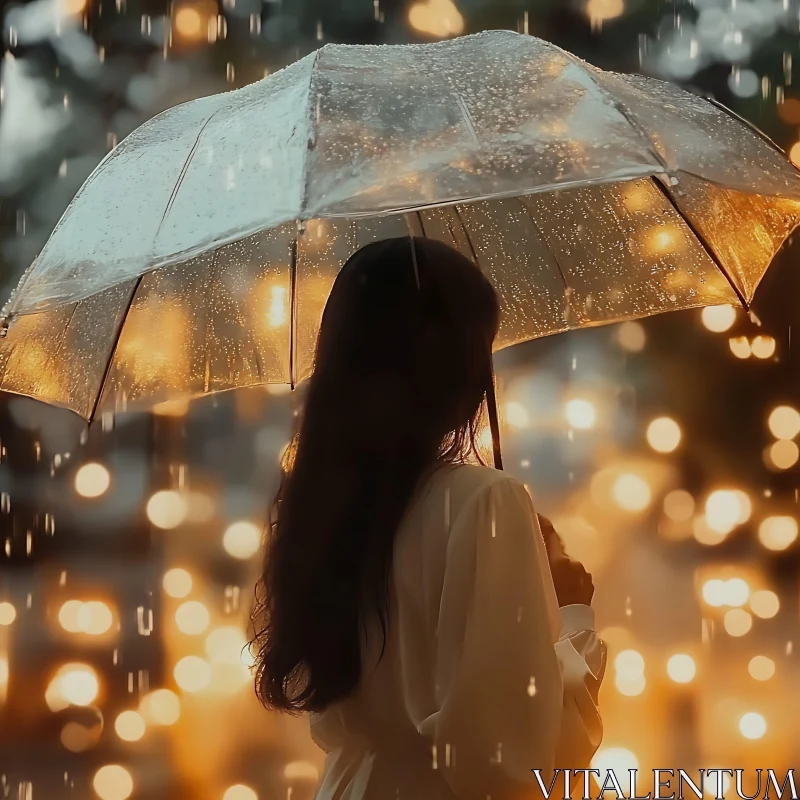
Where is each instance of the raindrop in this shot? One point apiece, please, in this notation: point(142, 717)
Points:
point(144, 620)
point(435, 763)
point(107, 421)
point(5, 502)
point(232, 594)
point(57, 460)
point(628, 609)
point(498, 756)
point(62, 578)
point(376, 5)
point(789, 647)
point(115, 656)
point(319, 30)
point(706, 631)
point(230, 72)
point(532, 687)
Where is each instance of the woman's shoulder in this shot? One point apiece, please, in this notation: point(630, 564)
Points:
point(465, 481)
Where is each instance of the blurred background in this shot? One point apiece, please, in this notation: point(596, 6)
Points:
point(664, 450)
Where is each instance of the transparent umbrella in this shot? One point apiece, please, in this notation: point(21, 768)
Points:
point(199, 254)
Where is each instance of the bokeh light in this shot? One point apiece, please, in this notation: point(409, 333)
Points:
point(740, 346)
point(94, 617)
point(130, 726)
point(618, 760)
point(113, 782)
point(516, 414)
point(679, 505)
point(580, 413)
point(631, 492)
point(718, 318)
point(436, 18)
point(68, 616)
point(161, 707)
point(226, 645)
point(784, 422)
point(737, 622)
point(92, 480)
point(783, 454)
point(681, 668)
point(723, 510)
point(192, 617)
point(761, 668)
point(7, 613)
point(177, 582)
point(753, 725)
point(242, 539)
point(765, 604)
point(778, 533)
point(663, 434)
point(239, 792)
point(763, 347)
point(73, 684)
point(167, 509)
point(192, 674)
point(631, 336)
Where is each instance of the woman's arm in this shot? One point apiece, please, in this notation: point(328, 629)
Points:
point(503, 709)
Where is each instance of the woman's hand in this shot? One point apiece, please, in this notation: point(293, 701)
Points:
point(573, 583)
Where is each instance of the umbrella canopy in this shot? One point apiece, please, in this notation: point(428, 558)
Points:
point(199, 255)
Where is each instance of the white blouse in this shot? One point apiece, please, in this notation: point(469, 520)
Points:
point(483, 678)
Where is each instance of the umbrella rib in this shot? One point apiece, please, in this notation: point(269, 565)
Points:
point(293, 311)
point(615, 102)
point(114, 346)
point(756, 130)
point(184, 169)
point(544, 241)
point(703, 243)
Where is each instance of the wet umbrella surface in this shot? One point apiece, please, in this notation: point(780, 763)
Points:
point(199, 255)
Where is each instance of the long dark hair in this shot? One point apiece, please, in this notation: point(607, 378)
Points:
point(402, 365)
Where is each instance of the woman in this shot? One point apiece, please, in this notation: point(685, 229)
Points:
point(410, 602)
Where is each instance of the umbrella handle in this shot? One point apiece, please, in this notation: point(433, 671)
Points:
point(494, 423)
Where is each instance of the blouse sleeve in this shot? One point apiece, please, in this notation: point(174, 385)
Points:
point(504, 707)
